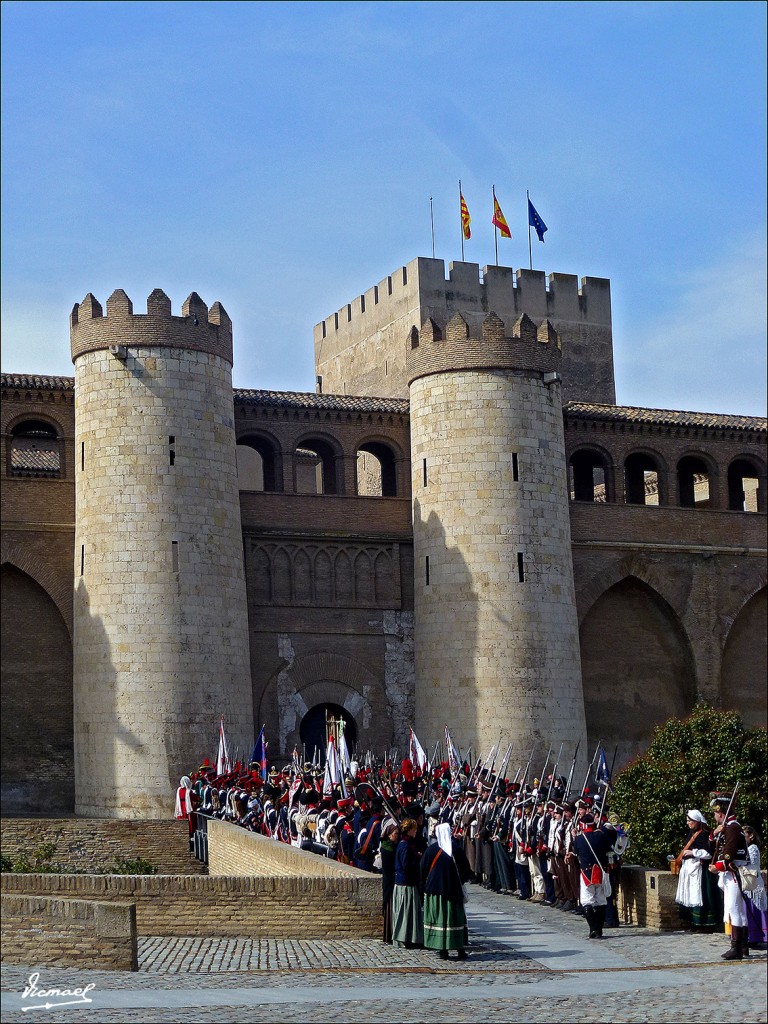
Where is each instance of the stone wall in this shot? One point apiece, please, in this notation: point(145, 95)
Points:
point(40, 930)
point(281, 908)
point(236, 852)
point(647, 898)
point(89, 843)
point(495, 620)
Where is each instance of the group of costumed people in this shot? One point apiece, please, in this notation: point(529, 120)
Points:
point(719, 877)
point(430, 831)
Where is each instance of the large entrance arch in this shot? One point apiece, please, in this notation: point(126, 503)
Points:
point(744, 665)
point(313, 728)
point(36, 698)
point(637, 667)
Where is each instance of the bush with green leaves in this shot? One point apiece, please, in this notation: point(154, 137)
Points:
point(687, 760)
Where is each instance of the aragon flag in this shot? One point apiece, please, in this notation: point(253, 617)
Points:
point(499, 220)
point(466, 220)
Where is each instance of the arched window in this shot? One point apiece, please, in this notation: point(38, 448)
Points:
point(258, 465)
point(693, 483)
point(315, 468)
point(642, 480)
point(376, 470)
point(742, 486)
point(35, 450)
point(587, 476)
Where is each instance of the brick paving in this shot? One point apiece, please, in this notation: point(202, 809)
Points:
point(527, 963)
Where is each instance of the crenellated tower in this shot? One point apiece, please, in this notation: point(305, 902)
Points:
point(160, 617)
point(497, 648)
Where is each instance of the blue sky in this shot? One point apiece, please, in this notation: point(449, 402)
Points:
point(280, 157)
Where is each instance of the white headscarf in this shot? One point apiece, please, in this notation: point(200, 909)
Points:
point(695, 815)
point(443, 837)
point(184, 783)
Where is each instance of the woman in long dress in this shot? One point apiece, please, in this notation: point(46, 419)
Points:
point(390, 836)
point(697, 892)
point(756, 901)
point(407, 915)
point(444, 869)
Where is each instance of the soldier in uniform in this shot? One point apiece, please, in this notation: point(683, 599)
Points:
point(730, 854)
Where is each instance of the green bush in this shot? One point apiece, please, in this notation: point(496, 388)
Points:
point(139, 866)
point(686, 761)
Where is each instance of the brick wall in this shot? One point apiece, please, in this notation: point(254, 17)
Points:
point(309, 908)
point(68, 933)
point(88, 843)
point(235, 851)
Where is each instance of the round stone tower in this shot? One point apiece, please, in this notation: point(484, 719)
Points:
point(160, 620)
point(497, 652)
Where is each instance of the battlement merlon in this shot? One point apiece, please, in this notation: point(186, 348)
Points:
point(361, 348)
point(198, 329)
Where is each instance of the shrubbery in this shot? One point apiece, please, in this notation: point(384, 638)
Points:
point(686, 761)
point(42, 862)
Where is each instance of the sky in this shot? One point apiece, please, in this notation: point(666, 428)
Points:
point(280, 157)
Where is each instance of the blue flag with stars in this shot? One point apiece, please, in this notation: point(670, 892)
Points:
point(535, 221)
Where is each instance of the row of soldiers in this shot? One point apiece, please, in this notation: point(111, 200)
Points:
point(518, 839)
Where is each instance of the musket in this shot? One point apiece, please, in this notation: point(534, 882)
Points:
point(500, 772)
point(479, 769)
point(544, 770)
point(589, 769)
point(570, 774)
point(721, 835)
point(527, 767)
point(554, 773)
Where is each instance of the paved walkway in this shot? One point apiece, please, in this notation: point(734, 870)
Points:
point(527, 963)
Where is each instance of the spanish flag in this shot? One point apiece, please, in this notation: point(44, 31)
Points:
point(499, 220)
point(466, 220)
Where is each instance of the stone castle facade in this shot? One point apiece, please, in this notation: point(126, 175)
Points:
point(459, 527)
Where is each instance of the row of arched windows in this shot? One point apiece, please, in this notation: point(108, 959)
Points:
point(644, 478)
point(316, 467)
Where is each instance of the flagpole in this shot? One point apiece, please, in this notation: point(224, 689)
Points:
point(461, 224)
point(528, 217)
point(432, 222)
point(495, 229)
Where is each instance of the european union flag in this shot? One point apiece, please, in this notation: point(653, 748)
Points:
point(535, 221)
point(603, 771)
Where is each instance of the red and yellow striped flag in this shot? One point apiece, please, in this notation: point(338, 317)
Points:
point(466, 220)
point(499, 220)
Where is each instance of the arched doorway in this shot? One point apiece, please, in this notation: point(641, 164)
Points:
point(313, 731)
point(36, 698)
point(637, 667)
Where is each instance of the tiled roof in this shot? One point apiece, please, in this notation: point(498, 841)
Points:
point(29, 460)
point(36, 383)
point(308, 400)
point(361, 403)
point(663, 417)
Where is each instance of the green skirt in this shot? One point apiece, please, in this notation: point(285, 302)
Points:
point(445, 924)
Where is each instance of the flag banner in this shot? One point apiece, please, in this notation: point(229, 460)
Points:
point(344, 757)
point(222, 759)
point(466, 220)
point(535, 221)
point(417, 753)
point(454, 762)
point(499, 220)
point(332, 775)
point(294, 788)
point(603, 773)
point(259, 753)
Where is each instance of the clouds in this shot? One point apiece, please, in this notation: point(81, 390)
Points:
point(707, 340)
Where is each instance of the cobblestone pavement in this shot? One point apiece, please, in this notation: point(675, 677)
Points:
point(527, 962)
